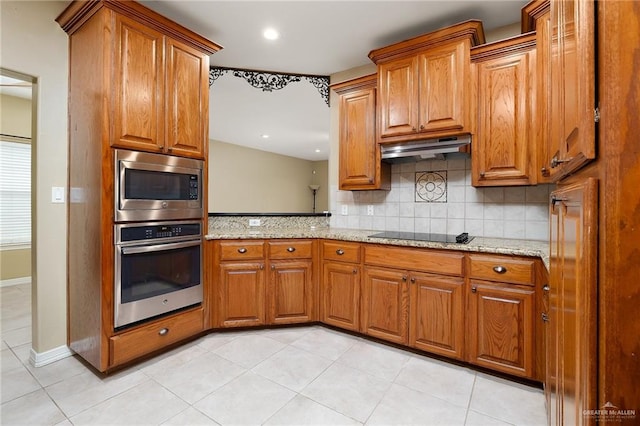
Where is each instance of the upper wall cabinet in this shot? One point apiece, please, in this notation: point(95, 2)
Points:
point(424, 88)
point(360, 167)
point(536, 16)
point(504, 149)
point(156, 76)
point(573, 105)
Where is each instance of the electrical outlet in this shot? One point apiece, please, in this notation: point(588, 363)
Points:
point(254, 222)
point(370, 210)
point(344, 210)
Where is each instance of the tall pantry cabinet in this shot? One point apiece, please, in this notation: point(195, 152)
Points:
point(593, 156)
point(137, 81)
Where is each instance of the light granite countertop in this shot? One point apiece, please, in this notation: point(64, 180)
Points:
point(478, 244)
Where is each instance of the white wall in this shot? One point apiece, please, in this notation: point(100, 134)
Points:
point(34, 44)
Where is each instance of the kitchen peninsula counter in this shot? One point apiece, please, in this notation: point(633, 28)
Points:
point(516, 247)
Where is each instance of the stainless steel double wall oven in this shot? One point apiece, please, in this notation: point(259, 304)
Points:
point(158, 235)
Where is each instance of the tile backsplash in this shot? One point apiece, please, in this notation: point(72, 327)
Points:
point(436, 196)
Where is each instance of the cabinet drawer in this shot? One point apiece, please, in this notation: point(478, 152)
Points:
point(144, 340)
point(241, 250)
point(341, 251)
point(503, 269)
point(293, 249)
point(425, 260)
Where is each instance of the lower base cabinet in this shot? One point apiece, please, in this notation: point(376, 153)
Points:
point(437, 316)
point(341, 295)
point(385, 304)
point(242, 291)
point(290, 298)
point(500, 327)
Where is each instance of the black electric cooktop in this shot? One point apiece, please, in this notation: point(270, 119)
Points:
point(463, 238)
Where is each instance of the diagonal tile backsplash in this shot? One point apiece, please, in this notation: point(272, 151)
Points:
point(437, 196)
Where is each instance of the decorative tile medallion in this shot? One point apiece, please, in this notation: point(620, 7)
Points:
point(431, 187)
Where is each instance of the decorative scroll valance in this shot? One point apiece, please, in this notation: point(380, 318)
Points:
point(270, 81)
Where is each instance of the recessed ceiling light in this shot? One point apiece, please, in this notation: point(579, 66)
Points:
point(271, 34)
point(317, 150)
point(265, 136)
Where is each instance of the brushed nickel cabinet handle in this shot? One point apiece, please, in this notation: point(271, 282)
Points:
point(499, 269)
point(555, 161)
point(163, 331)
point(481, 174)
point(474, 289)
point(273, 267)
point(261, 267)
point(546, 287)
point(545, 317)
point(413, 280)
point(242, 250)
point(404, 278)
point(339, 252)
point(291, 249)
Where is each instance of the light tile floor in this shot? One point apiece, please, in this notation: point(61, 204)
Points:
point(292, 376)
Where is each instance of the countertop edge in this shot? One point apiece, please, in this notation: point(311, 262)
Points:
point(515, 247)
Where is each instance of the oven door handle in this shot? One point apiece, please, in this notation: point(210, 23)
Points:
point(159, 247)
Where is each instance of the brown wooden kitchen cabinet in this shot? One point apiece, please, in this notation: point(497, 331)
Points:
point(536, 16)
point(136, 80)
point(422, 305)
point(436, 321)
point(159, 87)
point(249, 296)
point(501, 306)
point(385, 304)
point(291, 289)
point(340, 289)
point(572, 315)
point(572, 142)
point(360, 167)
point(504, 148)
point(424, 85)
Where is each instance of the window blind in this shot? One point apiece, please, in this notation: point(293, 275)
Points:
point(15, 194)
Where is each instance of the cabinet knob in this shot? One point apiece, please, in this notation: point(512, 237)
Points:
point(262, 266)
point(544, 171)
point(499, 269)
point(422, 127)
point(404, 278)
point(339, 252)
point(291, 249)
point(413, 280)
point(413, 129)
point(545, 317)
point(163, 331)
point(546, 287)
point(474, 289)
point(242, 250)
point(355, 271)
point(273, 267)
point(481, 174)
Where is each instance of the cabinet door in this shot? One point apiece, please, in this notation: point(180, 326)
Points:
point(573, 79)
point(341, 295)
point(398, 97)
point(359, 163)
point(443, 76)
point(385, 304)
point(138, 87)
point(503, 151)
point(437, 317)
point(290, 292)
point(501, 327)
point(187, 107)
point(573, 280)
point(241, 295)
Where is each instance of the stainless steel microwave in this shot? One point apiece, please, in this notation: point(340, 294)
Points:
point(156, 187)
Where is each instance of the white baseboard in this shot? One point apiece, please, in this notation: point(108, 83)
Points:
point(43, 358)
point(15, 281)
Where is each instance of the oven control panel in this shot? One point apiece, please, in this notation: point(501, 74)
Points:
point(157, 231)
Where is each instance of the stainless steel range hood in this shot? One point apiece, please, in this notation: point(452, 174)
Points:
point(423, 149)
